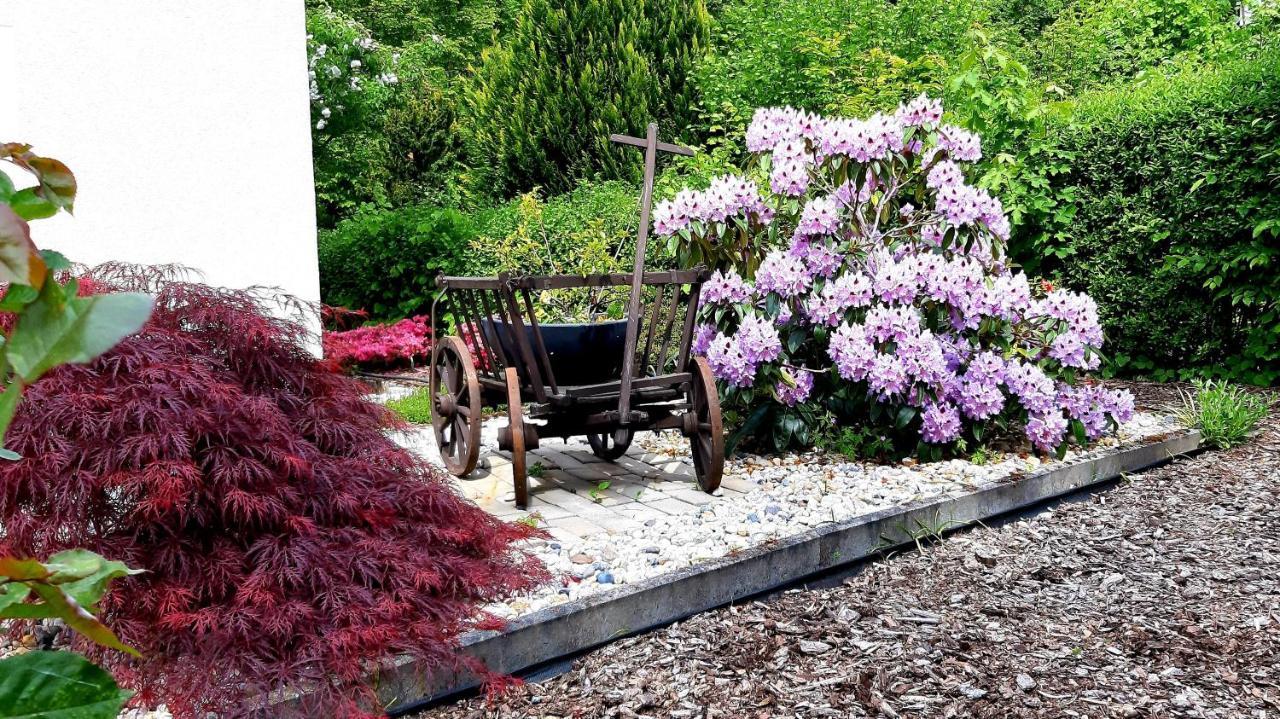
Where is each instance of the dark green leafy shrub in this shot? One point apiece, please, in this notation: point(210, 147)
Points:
point(609, 208)
point(385, 261)
point(542, 104)
point(1176, 230)
point(1092, 42)
point(847, 57)
point(423, 150)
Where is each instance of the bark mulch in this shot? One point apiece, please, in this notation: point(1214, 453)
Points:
point(1159, 598)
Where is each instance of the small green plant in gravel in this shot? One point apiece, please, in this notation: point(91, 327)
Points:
point(597, 492)
point(855, 443)
point(1226, 414)
point(415, 408)
point(537, 470)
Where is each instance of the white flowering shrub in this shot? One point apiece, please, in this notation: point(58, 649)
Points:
point(889, 302)
point(350, 73)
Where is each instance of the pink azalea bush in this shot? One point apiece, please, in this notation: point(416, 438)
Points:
point(401, 344)
point(890, 300)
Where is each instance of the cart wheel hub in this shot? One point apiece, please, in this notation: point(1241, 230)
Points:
point(689, 424)
point(447, 405)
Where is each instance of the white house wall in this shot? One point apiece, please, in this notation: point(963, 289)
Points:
point(186, 123)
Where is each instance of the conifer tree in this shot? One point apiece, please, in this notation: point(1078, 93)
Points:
point(543, 103)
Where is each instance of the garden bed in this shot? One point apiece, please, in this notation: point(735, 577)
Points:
point(780, 519)
point(1154, 598)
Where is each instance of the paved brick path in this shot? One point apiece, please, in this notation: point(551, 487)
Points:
point(576, 494)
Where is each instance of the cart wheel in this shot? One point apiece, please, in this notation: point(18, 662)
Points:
point(455, 406)
point(515, 426)
point(704, 428)
point(607, 447)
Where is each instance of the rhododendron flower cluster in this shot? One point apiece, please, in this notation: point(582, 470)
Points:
point(891, 291)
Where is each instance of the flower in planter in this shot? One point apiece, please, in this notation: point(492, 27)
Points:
point(883, 277)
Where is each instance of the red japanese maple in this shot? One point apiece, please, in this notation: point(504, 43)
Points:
point(287, 540)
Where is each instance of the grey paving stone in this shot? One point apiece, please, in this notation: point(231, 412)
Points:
point(641, 512)
point(635, 466)
point(613, 470)
point(558, 457)
point(671, 505)
point(590, 474)
point(579, 526)
point(692, 496)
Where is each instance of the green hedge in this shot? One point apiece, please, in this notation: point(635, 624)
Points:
point(615, 204)
point(385, 261)
point(1176, 226)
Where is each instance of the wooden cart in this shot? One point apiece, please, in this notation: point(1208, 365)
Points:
point(661, 386)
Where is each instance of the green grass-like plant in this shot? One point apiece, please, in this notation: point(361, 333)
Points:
point(1226, 414)
point(414, 408)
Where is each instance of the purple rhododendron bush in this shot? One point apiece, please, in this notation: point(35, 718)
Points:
point(883, 296)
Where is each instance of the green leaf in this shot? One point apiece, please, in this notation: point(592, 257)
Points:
point(57, 685)
point(55, 330)
point(31, 206)
point(795, 339)
point(12, 593)
point(57, 184)
point(17, 297)
point(8, 406)
point(748, 427)
point(55, 260)
point(63, 606)
point(22, 569)
point(6, 187)
point(904, 417)
point(1078, 430)
point(85, 575)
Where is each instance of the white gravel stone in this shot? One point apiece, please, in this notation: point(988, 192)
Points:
point(791, 494)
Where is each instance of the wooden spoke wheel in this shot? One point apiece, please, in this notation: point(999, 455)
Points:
point(516, 432)
point(606, 445)
point(455, 406)
point(704, 428)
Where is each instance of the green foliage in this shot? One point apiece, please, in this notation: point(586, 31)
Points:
point(611, 208)
point(1091, 42)
point(415, 408)
point(542, 104)
point(846, 57)
point(383, 117)
point(57, 685)
point(458, 29)
point(386, 261)
point(992, 92)
point(67, 586)
point(854, 443)
point(53, 325)
point(1176, 219)
point(423, 152)
point(349, 96)
point(591, 250)
point(1225, 414)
